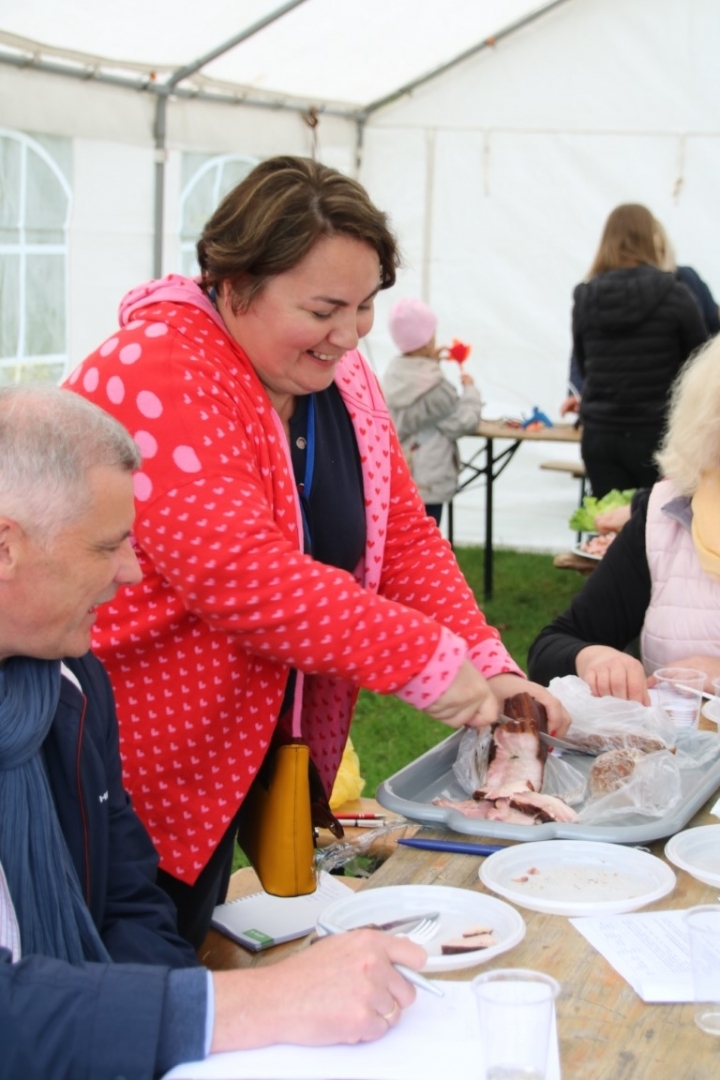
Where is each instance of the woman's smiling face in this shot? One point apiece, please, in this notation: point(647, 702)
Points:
point(304, 320)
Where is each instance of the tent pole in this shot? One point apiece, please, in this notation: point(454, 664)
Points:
point(160, 133)
point(168, 88)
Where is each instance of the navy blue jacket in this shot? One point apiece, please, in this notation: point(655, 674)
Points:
point(99, 1020)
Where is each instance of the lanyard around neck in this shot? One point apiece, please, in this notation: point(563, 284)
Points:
point(309, 448)
point(305, 486)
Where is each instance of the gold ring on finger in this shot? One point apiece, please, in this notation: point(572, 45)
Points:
point(387, 1017)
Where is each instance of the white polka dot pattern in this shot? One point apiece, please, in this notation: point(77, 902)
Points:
point(199, 653)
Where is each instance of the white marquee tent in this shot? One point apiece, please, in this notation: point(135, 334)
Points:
point(497, 134)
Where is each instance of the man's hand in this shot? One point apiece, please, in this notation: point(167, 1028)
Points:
point(344, 989)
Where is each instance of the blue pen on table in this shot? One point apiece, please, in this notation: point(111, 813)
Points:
point(412, 976)
point(457, 847)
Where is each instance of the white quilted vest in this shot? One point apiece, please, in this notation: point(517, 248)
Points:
point(683, 618)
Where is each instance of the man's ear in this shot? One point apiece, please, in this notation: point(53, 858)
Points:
point(11, 539)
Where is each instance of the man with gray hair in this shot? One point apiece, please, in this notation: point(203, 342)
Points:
point(94, 979)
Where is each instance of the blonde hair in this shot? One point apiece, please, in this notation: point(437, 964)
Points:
point(665, 250)
point(691, 445)
point(629, 239)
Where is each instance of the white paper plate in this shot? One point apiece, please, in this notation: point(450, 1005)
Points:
point(577, 877)
point(698, 852)
point(460, 910)
point(577, 550)
point(711, 709)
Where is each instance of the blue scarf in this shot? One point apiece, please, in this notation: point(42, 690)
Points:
point(53, 917)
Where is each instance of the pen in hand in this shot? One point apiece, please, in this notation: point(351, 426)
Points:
point(412, 976)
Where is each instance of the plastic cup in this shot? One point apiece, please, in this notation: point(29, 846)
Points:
point(515, 1009)
point(714, 711)
point(679, 692)
point(703, 924)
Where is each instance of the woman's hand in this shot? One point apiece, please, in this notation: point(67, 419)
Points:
point(570, 404)
point(612, 521)
point(344, 989)
point(609, 672)
point(505, 686)
point(467, 702)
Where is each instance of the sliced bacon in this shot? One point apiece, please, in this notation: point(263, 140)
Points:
point(512, 792)
point(516, 760)
point(543, 807)
point(472, 808)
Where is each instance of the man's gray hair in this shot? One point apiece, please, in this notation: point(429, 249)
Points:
point(49, 438)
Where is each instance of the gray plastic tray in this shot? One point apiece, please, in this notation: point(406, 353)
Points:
point(411, 790)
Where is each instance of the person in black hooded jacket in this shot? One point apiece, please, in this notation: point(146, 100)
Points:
point(634, 326)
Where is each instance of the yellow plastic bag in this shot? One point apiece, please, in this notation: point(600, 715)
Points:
point(349, 783)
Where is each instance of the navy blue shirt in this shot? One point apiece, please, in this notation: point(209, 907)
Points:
point(334, 513)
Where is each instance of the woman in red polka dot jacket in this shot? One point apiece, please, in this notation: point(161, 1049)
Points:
point(287, 557)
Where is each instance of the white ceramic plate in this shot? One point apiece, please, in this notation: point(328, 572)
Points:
point(698, 852)
point(460, 910)
point(577, 877)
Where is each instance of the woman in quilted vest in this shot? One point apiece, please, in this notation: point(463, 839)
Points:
point(659, 581)
point(287, 556)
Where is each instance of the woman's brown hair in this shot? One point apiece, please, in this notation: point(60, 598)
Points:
point(629, 239)
point(272, 219)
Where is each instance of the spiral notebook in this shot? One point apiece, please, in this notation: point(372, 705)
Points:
point(261, 920)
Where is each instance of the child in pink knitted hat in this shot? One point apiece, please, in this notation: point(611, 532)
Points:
point(429, 414)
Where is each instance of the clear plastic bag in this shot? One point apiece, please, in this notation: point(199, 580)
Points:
point(607, 723)
point(653, 790)
point(350, 854)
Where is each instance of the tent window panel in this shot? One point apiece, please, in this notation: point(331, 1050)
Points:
point(9, 305)
point(33, 371)
point(35, 199)
point(44, 237)
point(233, 171)
point(206, 181)
point(10, 188)
point(198, 206)
point(47, 202)
point(45, 305)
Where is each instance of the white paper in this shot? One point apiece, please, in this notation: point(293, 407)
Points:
point(436, 1037)
point(650, 950)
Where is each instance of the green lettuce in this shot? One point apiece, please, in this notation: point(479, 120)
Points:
point(583, 519)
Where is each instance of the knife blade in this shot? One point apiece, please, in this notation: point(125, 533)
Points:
point(408, 922)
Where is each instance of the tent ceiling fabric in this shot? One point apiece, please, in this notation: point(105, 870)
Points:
point(336, 53)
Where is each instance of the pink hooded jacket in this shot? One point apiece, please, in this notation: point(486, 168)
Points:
point(199, 653)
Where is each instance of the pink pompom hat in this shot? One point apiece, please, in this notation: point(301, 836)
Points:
point(412, 324)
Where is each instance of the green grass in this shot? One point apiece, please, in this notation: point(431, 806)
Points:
point(528, 592)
